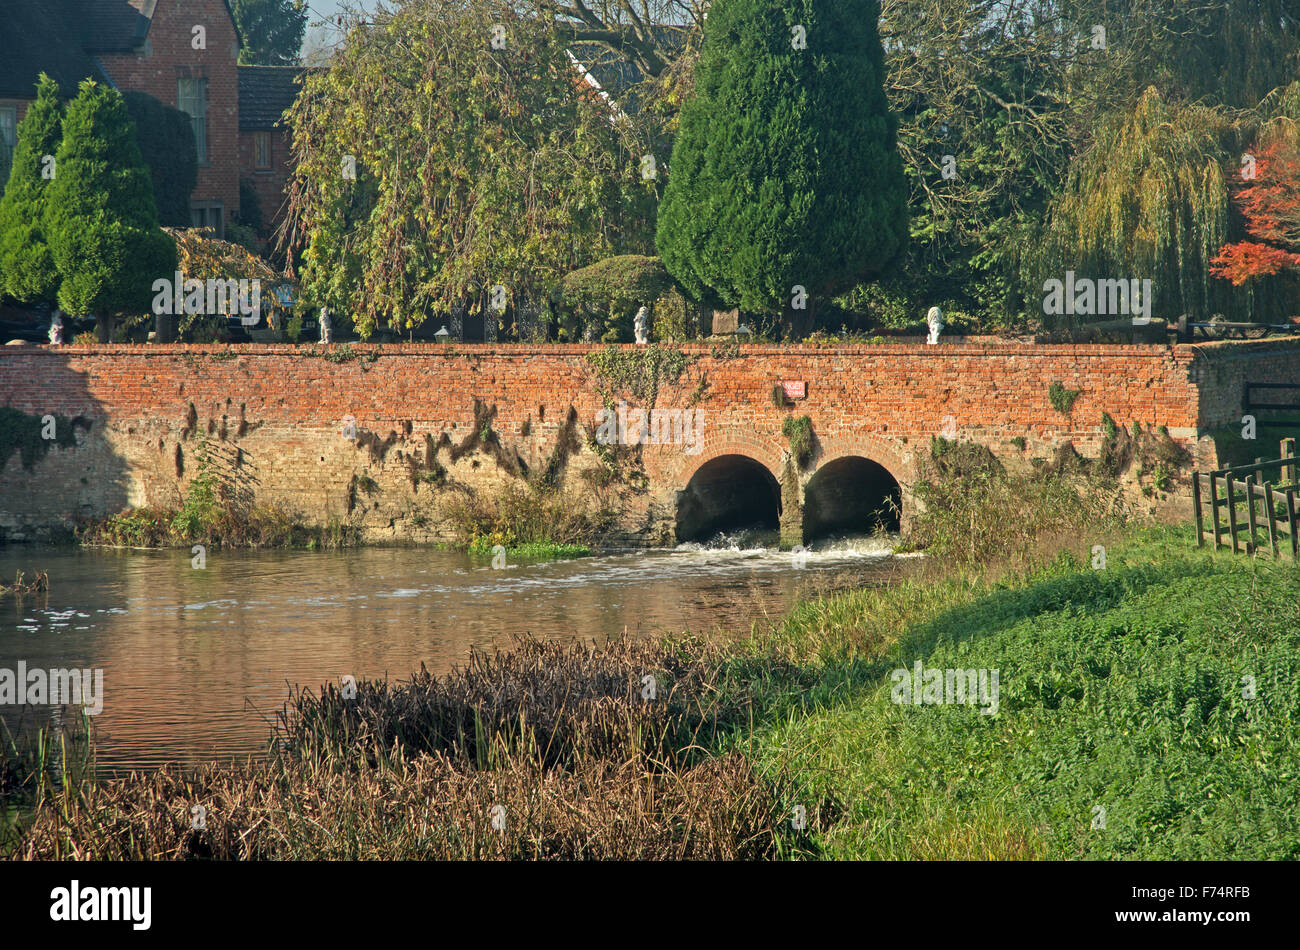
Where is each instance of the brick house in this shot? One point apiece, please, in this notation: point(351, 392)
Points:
point(265, 163)
point(183, 53)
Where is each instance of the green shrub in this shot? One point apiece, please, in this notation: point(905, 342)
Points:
point(1062, 399)
point(27, 268)
point(166, 139)
point(798, 432)
point(101, 220)
point(613, 289)
point(829, 207)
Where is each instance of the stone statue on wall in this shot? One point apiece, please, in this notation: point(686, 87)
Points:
point(641, 324)
point(325, 324)
point(934, 319)
point(56, 328)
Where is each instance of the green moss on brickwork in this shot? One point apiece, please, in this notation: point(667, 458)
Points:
point(798, 431)
point(638, 372)
point(31, 436)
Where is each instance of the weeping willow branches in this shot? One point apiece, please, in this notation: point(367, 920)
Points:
point(1149, 199)
point(450, 149)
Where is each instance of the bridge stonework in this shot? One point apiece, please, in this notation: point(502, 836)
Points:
point(276, 414)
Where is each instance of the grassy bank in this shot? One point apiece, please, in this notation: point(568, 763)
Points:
point(1150, 709)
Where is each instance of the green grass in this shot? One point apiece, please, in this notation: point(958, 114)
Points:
point(1120, 689)
point(529, 550)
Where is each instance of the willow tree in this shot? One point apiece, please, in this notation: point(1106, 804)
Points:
point(452, 149)
point(993, 96)
point(1230, 52)
point(1149, 200)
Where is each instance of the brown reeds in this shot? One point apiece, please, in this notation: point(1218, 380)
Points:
point(40, 581)
point(541, 751)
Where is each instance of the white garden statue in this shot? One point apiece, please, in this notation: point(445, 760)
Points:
point(325, 324)
point(56, 328)
point(641, 324)
point(934, 319)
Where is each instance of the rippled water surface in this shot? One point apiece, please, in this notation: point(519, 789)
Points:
point(196, 662)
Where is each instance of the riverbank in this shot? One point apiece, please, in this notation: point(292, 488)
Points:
point(1146, 708)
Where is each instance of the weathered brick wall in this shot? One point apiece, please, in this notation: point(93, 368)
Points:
point(20, 105)
point(1223, 369)
point(280, 411)
point(171, 57)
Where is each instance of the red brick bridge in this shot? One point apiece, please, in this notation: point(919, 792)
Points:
point(278, 414)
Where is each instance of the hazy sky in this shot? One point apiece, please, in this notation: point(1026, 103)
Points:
point(318, 10)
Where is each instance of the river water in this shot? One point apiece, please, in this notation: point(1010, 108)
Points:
point(197, 662)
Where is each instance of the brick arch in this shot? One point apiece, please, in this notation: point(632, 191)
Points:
point(887, 453)
point(767, 454)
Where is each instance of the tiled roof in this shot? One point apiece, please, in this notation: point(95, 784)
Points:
point(39, 36)
point(109, 26)
point(265, 92)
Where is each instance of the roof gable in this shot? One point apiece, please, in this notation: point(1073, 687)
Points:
point(61, 37)
point(111, 26)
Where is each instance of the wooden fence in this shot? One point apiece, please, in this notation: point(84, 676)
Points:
point(1269, 507)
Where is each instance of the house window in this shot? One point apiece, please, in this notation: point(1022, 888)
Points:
point(192, 98)
point(8, 139)
point(261, 149)
point(208, 214)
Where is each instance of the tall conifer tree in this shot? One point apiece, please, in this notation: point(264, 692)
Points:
point(27, 268)
point(100, 216)
point(785, 173)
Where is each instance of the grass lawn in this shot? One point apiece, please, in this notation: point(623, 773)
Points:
point(1126, 726)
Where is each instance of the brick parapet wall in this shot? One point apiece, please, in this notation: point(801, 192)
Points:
point(882, 401)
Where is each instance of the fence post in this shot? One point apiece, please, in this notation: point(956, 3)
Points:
point(1196, 504)
point(1288, 451)
point(1232, 514)
point(1272, 518)
point(1291, 519)
point(1250, 513)
point(1214, 510)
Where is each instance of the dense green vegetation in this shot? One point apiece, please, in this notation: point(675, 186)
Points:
point(270, 31)
point(27, 269)
point(521, 176)
point(1124, 688)
point(166, 139)
point(100, 218)
point(786, 181)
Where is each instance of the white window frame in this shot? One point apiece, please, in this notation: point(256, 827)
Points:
point(193, 101)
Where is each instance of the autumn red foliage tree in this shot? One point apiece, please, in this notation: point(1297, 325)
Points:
point(1270, 204)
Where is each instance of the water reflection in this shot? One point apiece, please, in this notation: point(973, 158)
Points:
point(197, 661)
